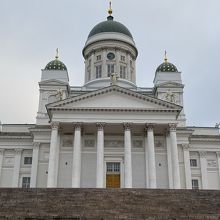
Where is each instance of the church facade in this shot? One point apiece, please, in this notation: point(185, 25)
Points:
point(110, 133)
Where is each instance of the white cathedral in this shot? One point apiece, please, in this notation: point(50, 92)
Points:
point(110, 133)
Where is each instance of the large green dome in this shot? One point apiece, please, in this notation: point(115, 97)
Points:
point(55, 65)
point(110, 26)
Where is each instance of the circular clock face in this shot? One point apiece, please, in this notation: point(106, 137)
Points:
point(111, 56)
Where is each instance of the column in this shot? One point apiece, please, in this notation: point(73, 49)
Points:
point(76, 171)
point(34, 165)
point(93, 73)
point(151, 156)
point(104, 66)
point(100, 156)
point(174, 155)
point(51, 179)
point(1, 162)
point(146, 160)
point(118, 62)
point(187, 166)
point(218, 158)
point(127, 155)
point(203, 164)
point(17, 163)
point(128, 67)
point(169, 161)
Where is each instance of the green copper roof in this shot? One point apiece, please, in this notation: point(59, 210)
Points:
point(110, 26)
point(166, 67)
point(55, 65)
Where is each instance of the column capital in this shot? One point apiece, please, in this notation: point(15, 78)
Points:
point(185, 146)
point(100, 125)
point(149, 127)
point(127, 125)
point(172, 126)
point(36, 145)
point(77, 125)
point(55, 124)
point(18, 151)
point(203, 154)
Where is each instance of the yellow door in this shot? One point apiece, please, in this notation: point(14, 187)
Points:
point(113, 175)
point(113, 181)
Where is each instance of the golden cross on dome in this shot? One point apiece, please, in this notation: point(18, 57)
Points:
point(57, 53)
point(110, 8)
point(165, 56)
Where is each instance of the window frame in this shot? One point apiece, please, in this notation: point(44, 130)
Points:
point(26, 184)
point(193, 162)
point(110, 69)
point(98, 71)
point(195, 186)
point(26, 159)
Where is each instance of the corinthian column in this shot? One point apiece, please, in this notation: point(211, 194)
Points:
point(76, 171)
point(34, 165)
point(17, 163)
point(51, 179)
point(174, 155)
point(203, 163)
point(187, 166)
point(100, 156)
point(127, 155)
point(151, 156)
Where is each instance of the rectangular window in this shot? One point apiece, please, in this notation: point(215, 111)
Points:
point(113, 167)
point(131, 63)
point(123, 58)
point(195, 184)
point(89, 62)
point(26, 182)
point(27, 160)
point(98, 58)
point(111, 69)
point(122, 72)
point(193, 162)
point(99, 71)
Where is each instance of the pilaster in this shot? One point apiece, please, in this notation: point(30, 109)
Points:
point(218, 158)
point(1, 161)
point(17, 164)
point(203, 163)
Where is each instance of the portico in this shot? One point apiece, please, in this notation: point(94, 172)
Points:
point(118, 147)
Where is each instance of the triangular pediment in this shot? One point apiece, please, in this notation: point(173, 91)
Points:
point(113, 97)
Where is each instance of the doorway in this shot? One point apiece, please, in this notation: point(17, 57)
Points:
point(113, 175)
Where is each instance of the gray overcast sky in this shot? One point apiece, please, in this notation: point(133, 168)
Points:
point(30, 32)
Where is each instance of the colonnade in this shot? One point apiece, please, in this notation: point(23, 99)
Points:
point(77, 148)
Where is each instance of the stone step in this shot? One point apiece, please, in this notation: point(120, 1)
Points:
point(109, 204)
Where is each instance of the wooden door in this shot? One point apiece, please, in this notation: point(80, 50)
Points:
point(113, 175)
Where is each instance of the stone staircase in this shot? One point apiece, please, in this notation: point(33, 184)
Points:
point(109, 204)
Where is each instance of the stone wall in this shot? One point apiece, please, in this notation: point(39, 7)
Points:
point(109, 204)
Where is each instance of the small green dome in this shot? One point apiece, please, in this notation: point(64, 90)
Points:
point(110, 26)
point(166, 67)
point(55, 65)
